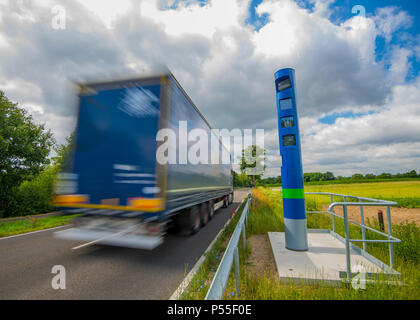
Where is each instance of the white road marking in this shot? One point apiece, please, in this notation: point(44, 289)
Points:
point(63, 230)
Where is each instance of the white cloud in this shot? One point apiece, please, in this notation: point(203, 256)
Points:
point(192, 18)
point(390, 19)
point(227, 68)
point(107, 11)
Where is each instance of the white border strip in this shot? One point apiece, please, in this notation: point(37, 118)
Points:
point(186, 282)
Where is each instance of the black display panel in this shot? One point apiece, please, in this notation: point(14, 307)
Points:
point(283, 84)
point(286, 104)
point(287, 122)
point(289, 140)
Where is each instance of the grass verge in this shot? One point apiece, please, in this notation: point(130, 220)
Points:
point(30, 224)
point(266, 215)
point(406, 193)
point(200, 283)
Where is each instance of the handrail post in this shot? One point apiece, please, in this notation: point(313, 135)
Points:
point(391, 246)
point(347, 238)
point(237, 275)
point(333, 216)
point(362, 220)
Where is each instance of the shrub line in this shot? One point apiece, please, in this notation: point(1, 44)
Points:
point(42, 215)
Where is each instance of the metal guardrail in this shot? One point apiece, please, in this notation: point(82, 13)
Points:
point(218, 285)
point(361, 203)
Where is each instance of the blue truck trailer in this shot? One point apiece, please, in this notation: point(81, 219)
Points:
point(113, 177)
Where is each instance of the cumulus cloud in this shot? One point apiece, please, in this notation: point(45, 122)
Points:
point(227, 67)
point(384, 141)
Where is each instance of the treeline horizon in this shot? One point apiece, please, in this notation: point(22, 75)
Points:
point(241, 180)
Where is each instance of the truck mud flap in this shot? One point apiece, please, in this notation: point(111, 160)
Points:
point(109, 238)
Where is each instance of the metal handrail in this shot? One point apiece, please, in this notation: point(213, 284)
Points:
point(218, 285)
point(363, 201)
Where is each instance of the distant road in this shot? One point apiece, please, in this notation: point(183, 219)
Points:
point(101, 272)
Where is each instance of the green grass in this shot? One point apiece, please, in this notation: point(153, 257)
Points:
point(406, 193)
point(33, 224)
point(201, 281)
point(266, 215)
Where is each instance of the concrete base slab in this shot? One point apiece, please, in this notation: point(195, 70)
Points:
point(323, 262)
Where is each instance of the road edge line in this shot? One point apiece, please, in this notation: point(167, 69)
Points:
point(187, 280)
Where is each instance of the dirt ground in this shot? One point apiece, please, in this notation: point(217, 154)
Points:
point(261, 258)
point(398, 215)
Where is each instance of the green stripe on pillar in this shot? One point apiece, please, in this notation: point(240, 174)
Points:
point(293, 193)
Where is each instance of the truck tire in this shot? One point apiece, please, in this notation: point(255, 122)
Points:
point(225, 201)
point(230, 198)
point(211, 209)
point(204, 214)
point(189, 221)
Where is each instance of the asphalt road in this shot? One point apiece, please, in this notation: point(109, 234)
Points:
point(101, 272)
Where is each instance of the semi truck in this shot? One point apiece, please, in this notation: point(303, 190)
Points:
point(114, 176)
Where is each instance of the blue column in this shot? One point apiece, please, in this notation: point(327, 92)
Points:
point(291, 170)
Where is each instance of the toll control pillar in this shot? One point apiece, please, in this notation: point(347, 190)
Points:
point(291, 170)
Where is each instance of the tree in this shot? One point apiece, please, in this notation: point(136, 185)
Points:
point(24, 149)
point(313, 176)
point(244, 180)
point(253, 162)
point(385, 176)
point(357, 176)
point(328, 176)
point(235, 179)
point(411, 174)
point(64, 154)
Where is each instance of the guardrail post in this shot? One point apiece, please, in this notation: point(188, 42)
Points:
point(381, 220)
point(237, 275)
point(347, 238)
point(391, 247)
point(243, 236)
point(247, 211)
point(333, 217)
point(362, 220)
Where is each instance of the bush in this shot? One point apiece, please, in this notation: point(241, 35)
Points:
point(409, 247)
point(33, 197)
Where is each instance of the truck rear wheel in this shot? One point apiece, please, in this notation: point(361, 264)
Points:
point(189, 221)
point(225, 201)
point(230, 198)
point(211, 209)
point(204, 214)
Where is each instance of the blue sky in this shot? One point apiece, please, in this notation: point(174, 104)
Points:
point(341, 11)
